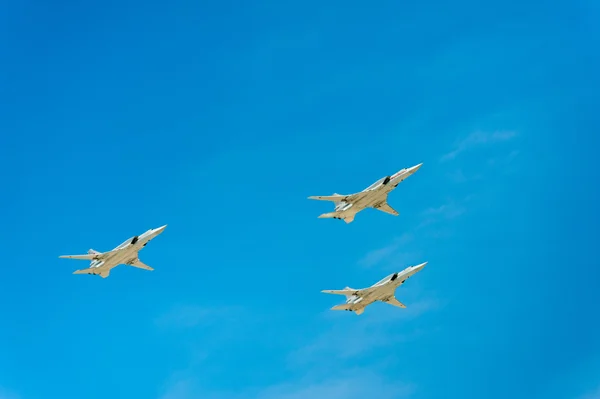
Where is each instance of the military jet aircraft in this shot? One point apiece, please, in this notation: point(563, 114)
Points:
point(126, 253)
point(374, 196)
point(358, 299)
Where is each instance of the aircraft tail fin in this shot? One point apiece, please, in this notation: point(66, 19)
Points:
point(140, 265)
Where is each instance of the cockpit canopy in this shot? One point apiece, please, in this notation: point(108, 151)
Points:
point(384, 280)
point(126, 243)
point(374, 185)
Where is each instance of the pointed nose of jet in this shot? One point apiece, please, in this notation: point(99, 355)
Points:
point(414, 168)
point(160, 229)
point(419, 267)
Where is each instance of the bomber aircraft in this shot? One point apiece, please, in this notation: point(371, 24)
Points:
point(358, 299)
point(374, 196)
point(126, 253)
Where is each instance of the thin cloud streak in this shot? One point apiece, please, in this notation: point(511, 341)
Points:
point(335, 349)
point(188, 316)
point(346, 340)
point(352, 384)
point(477, 139)
point(595, 394)
point(378, 256)
point(447, 211)
point(4, 394)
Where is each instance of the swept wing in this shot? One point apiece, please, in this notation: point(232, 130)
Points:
point(90, 256)
point(81, 257)
point(140, 265)
point(339, 197)
point(385, 207)
point(394, 302)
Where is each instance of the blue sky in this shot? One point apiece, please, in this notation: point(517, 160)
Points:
point(220, 118)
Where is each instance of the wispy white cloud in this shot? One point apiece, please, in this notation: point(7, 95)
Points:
point(448, 211)
point(309, 368)
point(346, 340)
point(183, 388)
point(595, 394)
point(504, 160)
point(187, 316)
point(351, 384)
point(354, 384)
point(459, 176)
point(380, 255)
point(5, 394)
point(477, 139)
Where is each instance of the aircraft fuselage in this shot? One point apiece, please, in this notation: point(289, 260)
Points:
point(372, 196)
point(125, 253)
point(382, 290)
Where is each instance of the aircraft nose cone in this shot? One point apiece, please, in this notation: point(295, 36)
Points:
point(161, 228)
point(415, 168)
point(419, 267)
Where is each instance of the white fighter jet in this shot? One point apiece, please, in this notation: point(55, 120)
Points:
point(374, 196)
point(358, 300)
point(126, 253)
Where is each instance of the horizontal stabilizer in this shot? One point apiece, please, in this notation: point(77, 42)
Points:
point(394, 302)
point(140, 265)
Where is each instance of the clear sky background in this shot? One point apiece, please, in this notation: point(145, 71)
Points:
point(220, 118)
